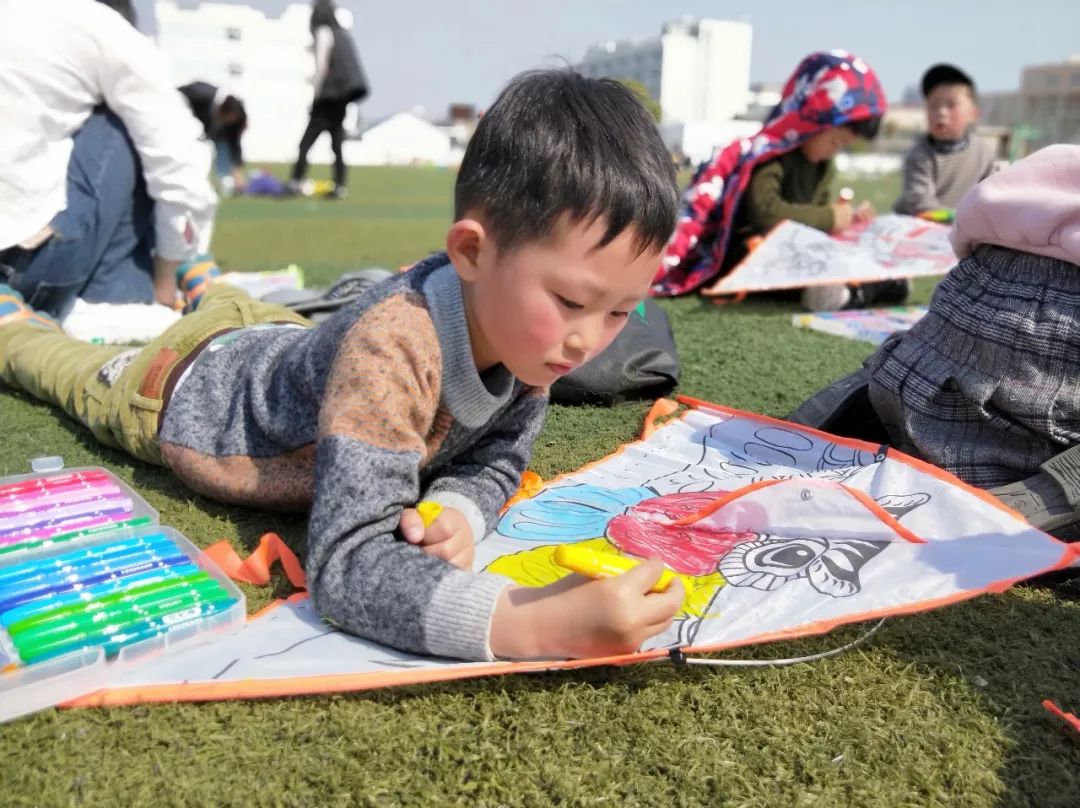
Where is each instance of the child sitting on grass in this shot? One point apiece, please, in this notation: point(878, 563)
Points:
point(950, 159)
point(431, 386)
point(785, 171)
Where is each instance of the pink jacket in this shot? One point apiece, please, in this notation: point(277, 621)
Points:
point(1032, 206)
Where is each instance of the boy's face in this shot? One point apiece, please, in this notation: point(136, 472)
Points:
point(543, 308)
point(827, 144)
point(950, 110)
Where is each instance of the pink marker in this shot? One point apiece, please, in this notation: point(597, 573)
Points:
point(55, 490)
point(27, 486)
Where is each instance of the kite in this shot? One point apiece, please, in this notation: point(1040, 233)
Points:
point(777, 530)
point(794, 256)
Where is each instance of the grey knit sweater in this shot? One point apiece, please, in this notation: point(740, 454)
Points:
point(934, 179)
point(375, 409)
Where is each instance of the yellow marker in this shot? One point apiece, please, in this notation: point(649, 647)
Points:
point(593, 564)
point(429, 512)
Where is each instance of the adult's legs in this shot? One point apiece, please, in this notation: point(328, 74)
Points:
point(316, 126)
point(102, 242)
point(223, 166)
point(337, 139)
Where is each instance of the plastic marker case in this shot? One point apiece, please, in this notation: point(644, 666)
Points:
point(90, 583)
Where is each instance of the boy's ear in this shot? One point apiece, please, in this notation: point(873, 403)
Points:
point(465, 242)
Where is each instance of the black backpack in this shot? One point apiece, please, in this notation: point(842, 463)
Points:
point(642, 362)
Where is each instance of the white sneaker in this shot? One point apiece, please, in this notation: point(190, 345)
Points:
point(826, 298)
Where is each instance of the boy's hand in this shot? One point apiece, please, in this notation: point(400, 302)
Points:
point(578, 617)
point(865, 212)
point(449, 537)
point(842, 216)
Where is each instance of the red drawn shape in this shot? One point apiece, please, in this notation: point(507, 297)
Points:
point(644, 531)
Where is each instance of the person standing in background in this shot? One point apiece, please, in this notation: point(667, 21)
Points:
point(339, 80)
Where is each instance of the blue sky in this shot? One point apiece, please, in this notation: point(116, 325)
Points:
point(432, 52)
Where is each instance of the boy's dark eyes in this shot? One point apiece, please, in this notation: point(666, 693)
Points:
point(572, 306)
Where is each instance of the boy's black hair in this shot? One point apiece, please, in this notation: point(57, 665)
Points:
point(939, 74)
point(234, 108)
point(867, 128)
point(323, 12)
point(123, 8)
point(554, 143)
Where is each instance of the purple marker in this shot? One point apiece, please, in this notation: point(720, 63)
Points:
point(79, 523)
point(83, 494)
point(36, 521)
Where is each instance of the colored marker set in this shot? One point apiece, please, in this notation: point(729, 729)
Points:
point(36, 511)
point(110, 595)
point(89, 581)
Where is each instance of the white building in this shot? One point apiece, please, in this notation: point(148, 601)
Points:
point(696, 141)
point(266, 61)
point(699, 71)
point(403, 139)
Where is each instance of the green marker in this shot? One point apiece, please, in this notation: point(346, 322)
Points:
point(150, 617)
point(95, 613)
point(113, 639)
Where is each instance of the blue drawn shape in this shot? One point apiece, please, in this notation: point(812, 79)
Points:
point(569, 512)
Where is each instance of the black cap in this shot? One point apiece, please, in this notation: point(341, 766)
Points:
point(945, 74)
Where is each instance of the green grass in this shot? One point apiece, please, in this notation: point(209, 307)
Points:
point(936, 709)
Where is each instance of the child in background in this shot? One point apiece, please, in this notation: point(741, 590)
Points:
point(431, 386)
point(785, 171)
point(946, 162)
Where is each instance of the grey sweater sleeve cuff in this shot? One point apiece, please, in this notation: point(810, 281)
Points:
point(458, 621)
point(469, 509)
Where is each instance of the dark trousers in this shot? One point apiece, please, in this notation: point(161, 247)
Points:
point(327, 115)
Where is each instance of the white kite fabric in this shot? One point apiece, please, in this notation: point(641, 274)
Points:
point(777, 531)
point(794, 256)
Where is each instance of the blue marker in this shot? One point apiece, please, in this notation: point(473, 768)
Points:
point(58, 601)
point(36, 567)
point(50, 572)
point(63, 584)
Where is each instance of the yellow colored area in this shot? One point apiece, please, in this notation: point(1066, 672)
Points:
point(537, 567)
point(429, 512)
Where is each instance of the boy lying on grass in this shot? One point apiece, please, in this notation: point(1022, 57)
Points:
point(432, 386)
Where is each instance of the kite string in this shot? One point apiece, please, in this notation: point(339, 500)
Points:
point(680, 658)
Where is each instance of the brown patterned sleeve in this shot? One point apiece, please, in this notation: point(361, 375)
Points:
point(383, 387)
